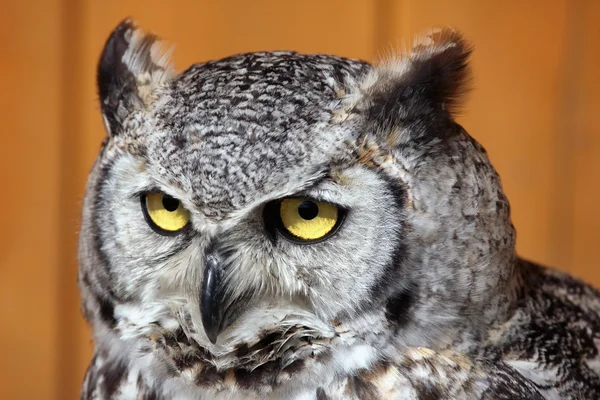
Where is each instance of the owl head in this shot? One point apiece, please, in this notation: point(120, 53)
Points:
point(282, 195)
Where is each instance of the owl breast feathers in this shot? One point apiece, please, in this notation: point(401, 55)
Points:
point(281, 225)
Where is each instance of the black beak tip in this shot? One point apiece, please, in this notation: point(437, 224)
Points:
point(211, 328)
point(210, 301)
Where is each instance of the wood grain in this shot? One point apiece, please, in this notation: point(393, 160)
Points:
point(30, 173)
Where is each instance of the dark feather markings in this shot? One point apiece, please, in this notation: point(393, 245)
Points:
point(114, 373)
point(392, 290)
point(107, 311)
point(399, 307)
point(91, 379)
point(507, 384)
point(361, 388)
point(321, 395)
point(116, 83)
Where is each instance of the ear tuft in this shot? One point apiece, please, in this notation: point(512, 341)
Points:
point(132, 66)
point(426, 84)
point(440, 61)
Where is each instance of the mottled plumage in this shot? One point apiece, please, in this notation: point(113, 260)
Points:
point(415, 293)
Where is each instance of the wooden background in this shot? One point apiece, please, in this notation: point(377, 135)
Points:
point(535, 108)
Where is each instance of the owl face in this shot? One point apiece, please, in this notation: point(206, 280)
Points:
point(271, 190)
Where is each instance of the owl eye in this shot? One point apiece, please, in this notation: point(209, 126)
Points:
point(164, 213)
point(306, 220)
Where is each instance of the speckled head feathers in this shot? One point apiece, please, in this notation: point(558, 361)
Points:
point(281, 115)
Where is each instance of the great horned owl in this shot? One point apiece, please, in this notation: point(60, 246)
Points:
point(281, 225)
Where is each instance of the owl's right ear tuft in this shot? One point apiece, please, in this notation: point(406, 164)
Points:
point(132, 66)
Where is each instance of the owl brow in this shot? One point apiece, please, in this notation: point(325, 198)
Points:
point(309, 192)
point(150, 189)
point(319, 177)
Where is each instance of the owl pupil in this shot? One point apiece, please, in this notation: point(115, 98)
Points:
point(169, 203)
point(308, 210)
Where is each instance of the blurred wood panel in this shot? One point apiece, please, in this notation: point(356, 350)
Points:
point(30, 76)
point(533, 113)
point(583, 131)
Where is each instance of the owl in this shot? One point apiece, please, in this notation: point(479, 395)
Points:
point(282, 225)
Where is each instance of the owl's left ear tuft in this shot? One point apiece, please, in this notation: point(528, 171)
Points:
point(430, 80)
point(132, 66)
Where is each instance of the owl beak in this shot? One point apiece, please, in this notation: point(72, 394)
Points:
point(211, 301)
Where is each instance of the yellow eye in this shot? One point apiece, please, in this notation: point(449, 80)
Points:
point(164, 213)
point(308, 220)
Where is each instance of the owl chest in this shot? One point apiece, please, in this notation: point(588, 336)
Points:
point(309, 374)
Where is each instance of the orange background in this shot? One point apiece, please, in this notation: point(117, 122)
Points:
point(535, 108)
